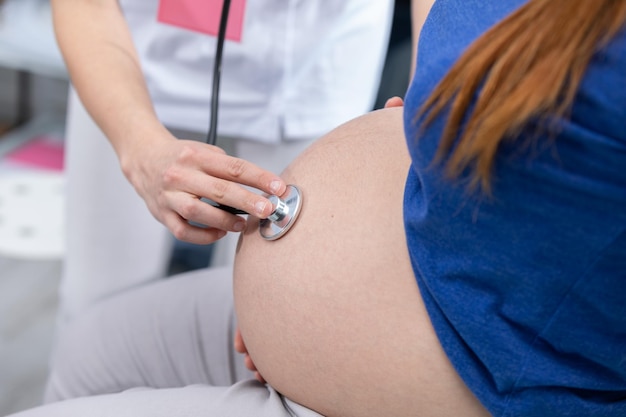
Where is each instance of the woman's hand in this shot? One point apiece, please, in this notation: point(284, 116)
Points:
point(240, 347)
point(172, 175)
point(394, 102)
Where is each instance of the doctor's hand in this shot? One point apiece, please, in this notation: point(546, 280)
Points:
point(171, 175)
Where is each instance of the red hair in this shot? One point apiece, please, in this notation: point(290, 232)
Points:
point(527, 66)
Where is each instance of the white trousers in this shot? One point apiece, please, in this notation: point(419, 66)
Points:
point(113, 243)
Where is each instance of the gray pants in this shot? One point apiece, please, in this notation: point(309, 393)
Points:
point(164, 349)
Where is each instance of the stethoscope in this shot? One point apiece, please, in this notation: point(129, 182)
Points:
point(287, 207)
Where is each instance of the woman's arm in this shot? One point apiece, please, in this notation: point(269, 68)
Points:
point(169, 174)
point(105, 69)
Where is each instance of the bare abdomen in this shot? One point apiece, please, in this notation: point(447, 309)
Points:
point(331, 313)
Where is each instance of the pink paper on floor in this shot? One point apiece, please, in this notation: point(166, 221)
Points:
point(203, 16)
point(40, 152)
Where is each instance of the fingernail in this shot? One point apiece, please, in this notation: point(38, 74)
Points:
point(259, 207)
point(239, 226)
point(275, 186)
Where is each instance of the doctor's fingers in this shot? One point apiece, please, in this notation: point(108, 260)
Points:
point(244, 172)
point(227, 193)
point(186, 232)
point(194, 221)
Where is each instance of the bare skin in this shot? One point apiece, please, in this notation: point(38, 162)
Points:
point(239, 343)
point(331, 313)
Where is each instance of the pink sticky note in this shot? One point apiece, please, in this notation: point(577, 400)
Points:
point(203, 16)
point(40, 152)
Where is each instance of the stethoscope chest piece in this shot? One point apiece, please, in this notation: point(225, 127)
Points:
point(286, 211)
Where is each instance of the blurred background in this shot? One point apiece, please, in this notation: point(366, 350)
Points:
point(33, 90)
point(33, 98)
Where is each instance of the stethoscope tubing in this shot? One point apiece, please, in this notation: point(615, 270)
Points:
point(215, 93)
point(217, 73)
point(286, 212)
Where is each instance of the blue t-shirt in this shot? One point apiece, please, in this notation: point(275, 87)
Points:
point(526, 289)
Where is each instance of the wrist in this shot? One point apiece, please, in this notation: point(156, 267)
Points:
point(137, 143)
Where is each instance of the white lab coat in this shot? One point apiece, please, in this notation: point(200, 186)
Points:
point(302, 67)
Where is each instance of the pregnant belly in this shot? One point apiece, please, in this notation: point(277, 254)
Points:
point(331, 313)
